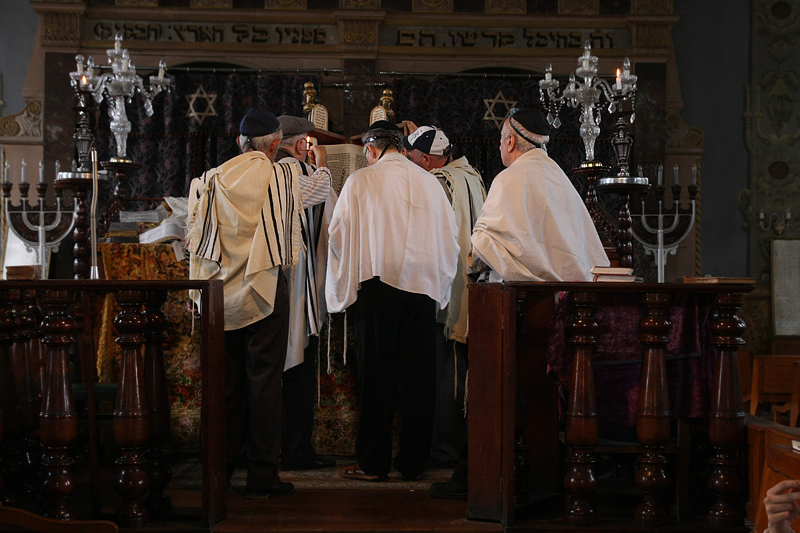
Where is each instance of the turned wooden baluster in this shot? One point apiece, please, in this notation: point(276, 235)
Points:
point(27, 394)
point(726, 415)
point(155, 379)
point(9, 405)
point(653, 425)
point(59, 418)
point(581, 424)
point(131, 419)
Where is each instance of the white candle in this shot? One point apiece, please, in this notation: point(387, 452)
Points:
point(162, 65)
point(118, 43)
point(22, 173)
point(626, 67)
point(694, 174)
point(83, 82)
point(79, 61)
point(41, 171)
point(585, 62)
point(675, 173)
point(58, 168)
point(761, 215)
point(619, 81)
point(7, 170)
point(125, 63)
point(788, 213)
point(548, 73)
point(660, 174)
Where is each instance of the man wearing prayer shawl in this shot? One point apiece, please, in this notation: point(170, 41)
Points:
point(392, 256)
point(534, 225)
point(243, 227)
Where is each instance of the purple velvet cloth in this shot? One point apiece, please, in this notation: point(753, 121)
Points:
point(619, 354)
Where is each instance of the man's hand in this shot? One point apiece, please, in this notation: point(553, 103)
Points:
point(318, 155)
point(781, 505)
point(408, 127)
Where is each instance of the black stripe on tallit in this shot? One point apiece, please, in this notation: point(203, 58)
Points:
point(204, 235)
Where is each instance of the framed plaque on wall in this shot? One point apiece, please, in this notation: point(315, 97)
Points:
point(786, 286)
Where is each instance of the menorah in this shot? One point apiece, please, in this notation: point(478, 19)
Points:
point(672, 225)
point(42, 228)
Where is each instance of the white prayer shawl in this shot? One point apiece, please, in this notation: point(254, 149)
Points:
point(392, 220)
point(534, 225)
point(243, 225)
point(306, 277)
point(467, 196)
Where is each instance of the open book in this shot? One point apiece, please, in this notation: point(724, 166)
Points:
point(343, 160)
point(169, 230)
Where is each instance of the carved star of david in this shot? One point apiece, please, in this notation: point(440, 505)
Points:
point(491, 102)
point(209, 111)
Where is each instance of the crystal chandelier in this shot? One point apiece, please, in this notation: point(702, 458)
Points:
point(119, 86)
point(586, 94)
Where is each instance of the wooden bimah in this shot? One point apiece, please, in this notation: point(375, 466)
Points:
point(37, 402)
point(683, 336)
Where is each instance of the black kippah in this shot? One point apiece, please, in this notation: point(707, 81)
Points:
point(532, 120)
point(258, 122)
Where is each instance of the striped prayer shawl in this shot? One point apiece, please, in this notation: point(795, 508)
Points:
point(311, 228)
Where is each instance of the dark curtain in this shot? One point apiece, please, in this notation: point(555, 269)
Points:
point(456, 104)
point(175, 145)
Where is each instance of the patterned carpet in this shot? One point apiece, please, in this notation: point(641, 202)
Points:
point(188, 475)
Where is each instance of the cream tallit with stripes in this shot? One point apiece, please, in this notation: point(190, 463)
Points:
point(243, 224)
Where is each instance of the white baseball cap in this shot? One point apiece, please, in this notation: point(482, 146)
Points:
point(428, 139)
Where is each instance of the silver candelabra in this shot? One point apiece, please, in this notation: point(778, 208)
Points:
point(119, 86)
point(42, 228)
point(672, 225)
point(586, 94)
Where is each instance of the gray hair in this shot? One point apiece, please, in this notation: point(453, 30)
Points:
point(289, 141)
point(380, 138)
point(263, 143)
point(527, 140)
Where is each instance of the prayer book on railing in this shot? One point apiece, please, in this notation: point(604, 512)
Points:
point(169, 230)
point(23, 272)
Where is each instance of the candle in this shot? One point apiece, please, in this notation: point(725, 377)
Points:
point(162, 65)
point(58, 168)
point(694, 174)
point(675, 173)
point(788, 213)
point(761, 215)
point(626, 67)
point(125, 63)
point(83, 82)
point(41, 171)
point(79, 61)
point(7, 170)
point(22, 173)
point(118, 43)
point(660, 174)
point(619, 81)
point(585, 62)
point(548, 72)
point(639, 168)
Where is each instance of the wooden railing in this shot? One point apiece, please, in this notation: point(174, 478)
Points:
point(507, 325)
point(38, 407)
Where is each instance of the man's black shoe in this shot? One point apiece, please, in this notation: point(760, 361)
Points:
point(449, 490)
point(281, 488)
point(312, 464)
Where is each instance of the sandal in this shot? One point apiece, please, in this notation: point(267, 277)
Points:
point(354, 472)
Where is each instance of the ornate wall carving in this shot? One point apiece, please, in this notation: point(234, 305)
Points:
point(359, 35)
point(578, 7)
point(772, 132)
point(215, 4)
point(652, 7)
point(360, 4)
point(505, 6)
point(682, 135)
point(61, 27)
point(25, 125)
point(651, 38)
point(428, 6)
point(286, 4)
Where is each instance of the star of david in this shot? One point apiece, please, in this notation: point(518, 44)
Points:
point(491, 102)
point(209, 111)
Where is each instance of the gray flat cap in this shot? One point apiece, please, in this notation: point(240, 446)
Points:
point(294, 125)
